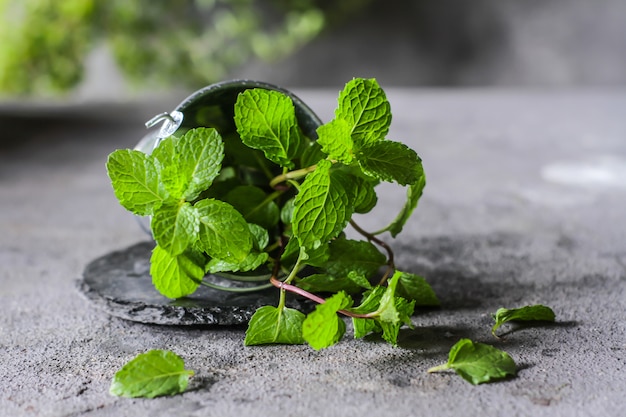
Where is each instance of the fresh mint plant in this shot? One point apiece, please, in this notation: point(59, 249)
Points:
point(477, 362)
point(151, 374)
point(536, 312)
point(268, 206)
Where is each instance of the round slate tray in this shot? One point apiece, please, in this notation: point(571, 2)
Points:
point(120, 283)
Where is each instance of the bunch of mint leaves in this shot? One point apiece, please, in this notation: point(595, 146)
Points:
point(269, 205)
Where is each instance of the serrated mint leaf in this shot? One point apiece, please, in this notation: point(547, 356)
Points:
point(312, 155)
point(271, 325)
point(335, 139)
point(260, 236)
point(151, 374)
point(165, 152)
point(135, 181)
point(254, 205)
point(369, 304)
point(266, 120)
point(199, 153)
point(286, 213)
point(224, 233)
point(387, 309)
point(176, 276)
point(413, 194)
point(175, 227)
point(363, 104)
point(348, 255)
point(350, 283)
point(478, 363)
point(365, 197)
point(390, 161)
point(313, 257)
point(323, 327)
point(391, 330)
point(536, 312)
point(251, 262)
point(322, 207)
point(415, 287)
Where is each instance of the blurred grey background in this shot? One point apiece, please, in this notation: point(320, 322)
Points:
point(87, 48)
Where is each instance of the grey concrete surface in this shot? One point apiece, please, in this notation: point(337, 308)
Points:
point(525, 204)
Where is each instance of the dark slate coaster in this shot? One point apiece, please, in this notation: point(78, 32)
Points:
point(120, 283)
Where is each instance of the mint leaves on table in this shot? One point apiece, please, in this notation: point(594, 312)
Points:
point(536, 312)
point(478, 363)
point(265, 205)
point(151, 374)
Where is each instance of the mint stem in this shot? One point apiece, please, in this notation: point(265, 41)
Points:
point(298, 173)
point(292, 288)
point(438, 368)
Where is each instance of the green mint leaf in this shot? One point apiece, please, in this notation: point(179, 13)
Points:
point(255, 206)
point(415, 287)
point(348, 255)
point(151, 374)
point(199, 154)
point(224, 233)
point(266, 120)
point(350, 283)
point(251, 262)
point(365, 196)
point(369, 304)
point(312, 155)
point(536, 312)
point(270, 325)
point(313, 257)
point(323, 327)
point(335, 140)
point(135, 181)
point(260, 236)
point(322, 207)
point(176, 276)
point(387, 310)
point(477, 362)
point(413, 194)
point(286, 213)
point(175, 227)
point(390, 330)
point(363, 104)
point(165, 152)
point(390, 161)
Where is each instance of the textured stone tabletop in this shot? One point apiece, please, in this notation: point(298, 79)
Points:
point(525, 203)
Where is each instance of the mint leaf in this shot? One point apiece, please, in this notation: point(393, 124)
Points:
point(151, 374)
point(323, 328)
point(224, 234)
point(335, 140)
point(270, 325)
point(176, 276)
point(254, 205)
point(370, 303)
point(365, 197)
point(312, 155)
point(350, 283)
point(390, 161)
point(175, 227)
point(348, 255)
point(266, 120)
point(251, 262)
point(364, 106)
point(536, 312)
point(322, 207)
point(313, 257)
point(415, 287)
point(477, 362)
point(199, 153)
point(413, 194)
point(135, 181)
point(391, 329)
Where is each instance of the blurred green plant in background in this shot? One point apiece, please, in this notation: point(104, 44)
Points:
point(43, 43)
